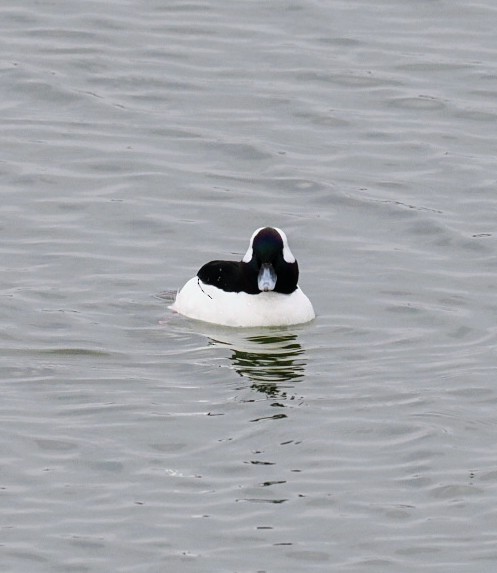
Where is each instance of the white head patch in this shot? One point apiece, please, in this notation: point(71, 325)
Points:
point(287, 253)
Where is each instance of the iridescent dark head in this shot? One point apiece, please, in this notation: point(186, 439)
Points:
point(271, 258)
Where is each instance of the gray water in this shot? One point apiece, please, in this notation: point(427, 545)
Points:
point(142, 139)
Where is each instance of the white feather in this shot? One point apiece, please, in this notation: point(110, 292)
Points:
point(287, 253)
point(239, 309)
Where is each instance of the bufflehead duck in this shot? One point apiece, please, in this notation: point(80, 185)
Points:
point(260, 290)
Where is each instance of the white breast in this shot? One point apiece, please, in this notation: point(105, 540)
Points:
point(210, 304)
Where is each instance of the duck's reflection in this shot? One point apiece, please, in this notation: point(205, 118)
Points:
point(270, 362)
point(273, 361)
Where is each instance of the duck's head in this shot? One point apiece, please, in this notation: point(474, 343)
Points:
point(270, 262)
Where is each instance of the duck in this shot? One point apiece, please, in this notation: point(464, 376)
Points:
point(261, 290)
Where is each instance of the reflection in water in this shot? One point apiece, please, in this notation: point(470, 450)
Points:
point(270, 361)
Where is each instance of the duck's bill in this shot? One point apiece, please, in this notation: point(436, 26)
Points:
point(266, 280)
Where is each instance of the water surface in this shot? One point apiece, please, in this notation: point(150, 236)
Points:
point(140, 141)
